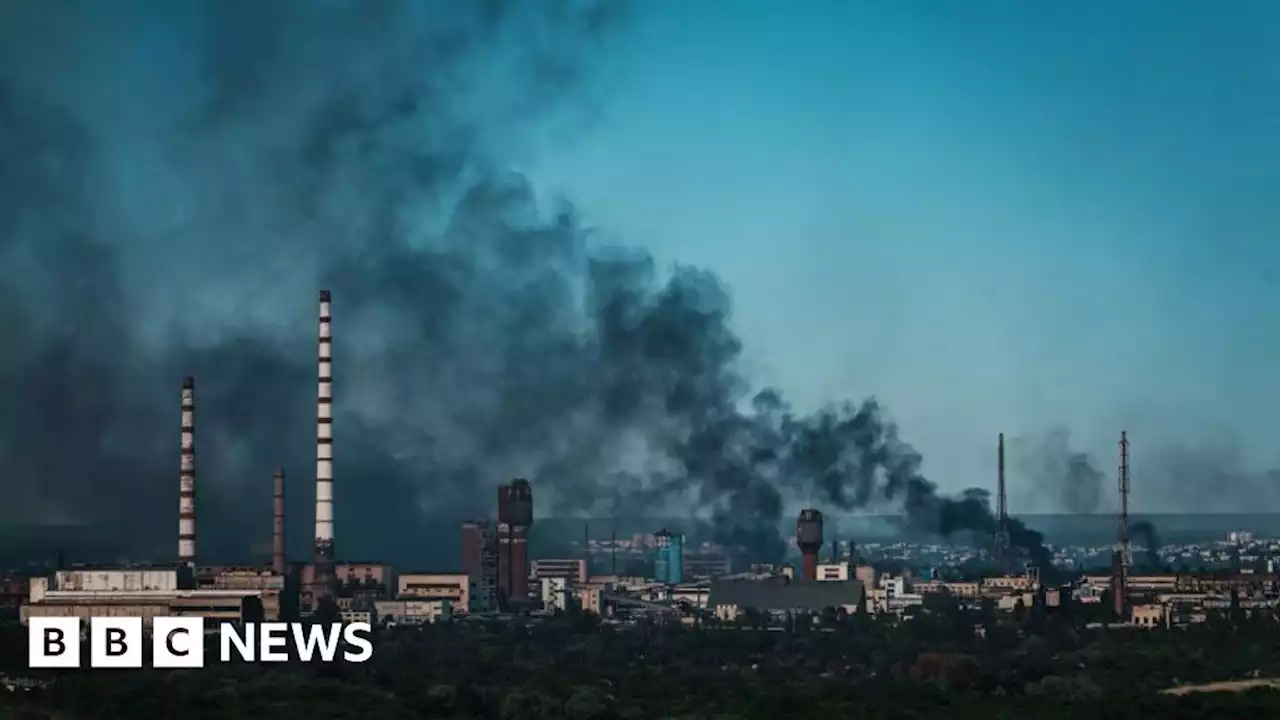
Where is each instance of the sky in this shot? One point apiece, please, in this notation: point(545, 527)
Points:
point(995, 216)
point(1047, 220)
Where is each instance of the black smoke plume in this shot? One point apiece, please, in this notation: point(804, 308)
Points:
point(178, 179)
point(1144, 532)
point(1054, 471)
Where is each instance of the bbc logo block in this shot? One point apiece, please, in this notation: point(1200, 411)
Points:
point(54, 642)
point(178, 642)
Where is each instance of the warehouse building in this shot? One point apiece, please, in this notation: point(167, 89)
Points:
point(141, 592)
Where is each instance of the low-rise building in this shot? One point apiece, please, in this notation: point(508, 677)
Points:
point(965, 590)
point(572, 570)
point(263, 580)
point(452, 586)
point(1006, 584)
point(555, 593)
point(1150, 615)
point(116, 579)
point(692, 594)
point(412, 612)
point(833, 572)
point(591, 598)
point(215, 606)
point(1009, 602)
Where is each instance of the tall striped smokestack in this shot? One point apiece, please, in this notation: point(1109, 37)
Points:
point(187, 477)
point(324, 440)
point(277, 524)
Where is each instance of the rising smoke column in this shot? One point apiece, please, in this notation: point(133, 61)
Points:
point(1062, 474)
point(256, 152)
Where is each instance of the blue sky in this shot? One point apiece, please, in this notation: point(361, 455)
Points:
point(994, 215)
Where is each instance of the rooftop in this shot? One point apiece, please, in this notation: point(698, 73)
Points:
point(72, 595)
point(781, 595)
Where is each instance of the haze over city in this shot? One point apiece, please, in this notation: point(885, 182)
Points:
point(613, 359)
point(954, 214)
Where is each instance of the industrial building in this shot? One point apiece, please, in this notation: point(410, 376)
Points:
point(555, 593)
point(515, 516)
point(452, 586)
point(571, 570)
point(480, 561)
point(412, 612)
point(140, 592)
point(216, 593)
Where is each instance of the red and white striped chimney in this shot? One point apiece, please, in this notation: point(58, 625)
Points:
point(187, 477)
point(324, 440)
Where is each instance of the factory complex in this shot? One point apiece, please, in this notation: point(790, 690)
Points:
point(496, 578)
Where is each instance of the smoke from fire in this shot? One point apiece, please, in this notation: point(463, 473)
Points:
point(176, 180)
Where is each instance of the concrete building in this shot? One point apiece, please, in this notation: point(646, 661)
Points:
point(964, 590)
point(1010, 602)
point(365, 580)
point(215, 606)
point(1006, 583)
point(694, 595)
point(591, 599)
point(413, 612)
point(264, 581)
point(730, 599)
point(356, 616)
point(480, 561)
point(452, 586)
point(832, 572)
point(1150, 616)
point(893, 596)
point(116, 579)
point(515, 516)
point(574, 571)
point(555, 594)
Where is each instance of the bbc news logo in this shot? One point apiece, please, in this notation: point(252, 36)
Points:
point(179, 642)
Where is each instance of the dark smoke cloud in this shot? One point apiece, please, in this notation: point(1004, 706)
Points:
point(177, 180)
point(1209, 473)
point(1143, 533)
point(1048, 469)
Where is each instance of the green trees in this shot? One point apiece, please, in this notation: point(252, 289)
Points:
point(935, 665)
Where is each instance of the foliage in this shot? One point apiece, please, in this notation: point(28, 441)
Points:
point(947, 661)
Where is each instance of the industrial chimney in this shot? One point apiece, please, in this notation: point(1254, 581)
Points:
point(324, 551)
point(277, 525)
point(515, 516)
point(187, 477)
point(809, 539)
point(1002, 512)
